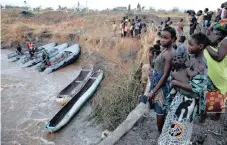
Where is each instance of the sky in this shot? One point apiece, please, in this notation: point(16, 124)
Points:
point(103, 4)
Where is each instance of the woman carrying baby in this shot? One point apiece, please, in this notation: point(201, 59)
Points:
point(189, 99)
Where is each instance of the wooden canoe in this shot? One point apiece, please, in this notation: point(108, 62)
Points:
point(76, 85)
point(75, 104)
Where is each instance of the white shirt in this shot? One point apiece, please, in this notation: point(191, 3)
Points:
point(222, 13)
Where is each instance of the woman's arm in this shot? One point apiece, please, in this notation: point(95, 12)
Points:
point(222, 51)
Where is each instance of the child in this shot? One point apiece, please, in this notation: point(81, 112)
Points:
point(128, 28)
point(158, 42)
point(137, 27)
point(126, 19)
point(140, 26)
point(153, 53)
point(189, 99)
point(159, 84)
point(121, 28)
point(170, 23)
point(181, 49)
point(193, 23)
point(132, 27)
point(125, 28)
point(180, 27)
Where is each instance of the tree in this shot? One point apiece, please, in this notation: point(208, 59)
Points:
point(48, 9)
point(59, 7)
point(175, 10)
point(8, 6)
point(38, 9)
point(151, 9)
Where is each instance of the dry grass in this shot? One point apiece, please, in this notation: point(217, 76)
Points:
point(58, 24)
point(171, 14)
point(118, 94)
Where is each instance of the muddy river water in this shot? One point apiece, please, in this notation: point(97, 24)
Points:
point(28, 102)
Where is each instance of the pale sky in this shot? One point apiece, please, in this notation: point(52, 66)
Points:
point(103, 4)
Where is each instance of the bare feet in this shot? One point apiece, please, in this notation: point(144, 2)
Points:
point(203, 118)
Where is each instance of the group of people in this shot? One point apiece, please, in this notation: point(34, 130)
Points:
point(183, 79)
point(30, 46)
point(130, 27)
point(167, 23)
point(32, 49)
point(202, 20)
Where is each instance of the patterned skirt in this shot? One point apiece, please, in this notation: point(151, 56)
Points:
point(178, 126)
point(215, 101)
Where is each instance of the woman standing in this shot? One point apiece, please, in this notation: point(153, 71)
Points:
point(217, 67)
point(159, 86)
point(178, 125)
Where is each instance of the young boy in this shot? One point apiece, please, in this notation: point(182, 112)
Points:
point(132, 28)
point(181, 50)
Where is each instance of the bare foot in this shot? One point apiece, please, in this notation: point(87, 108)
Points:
point(203, 118)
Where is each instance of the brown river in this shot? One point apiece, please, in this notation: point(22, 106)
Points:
point(28, 102)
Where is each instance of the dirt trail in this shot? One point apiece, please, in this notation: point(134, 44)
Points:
point(146, 132)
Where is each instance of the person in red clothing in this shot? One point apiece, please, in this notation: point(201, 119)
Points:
point(31, 48)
